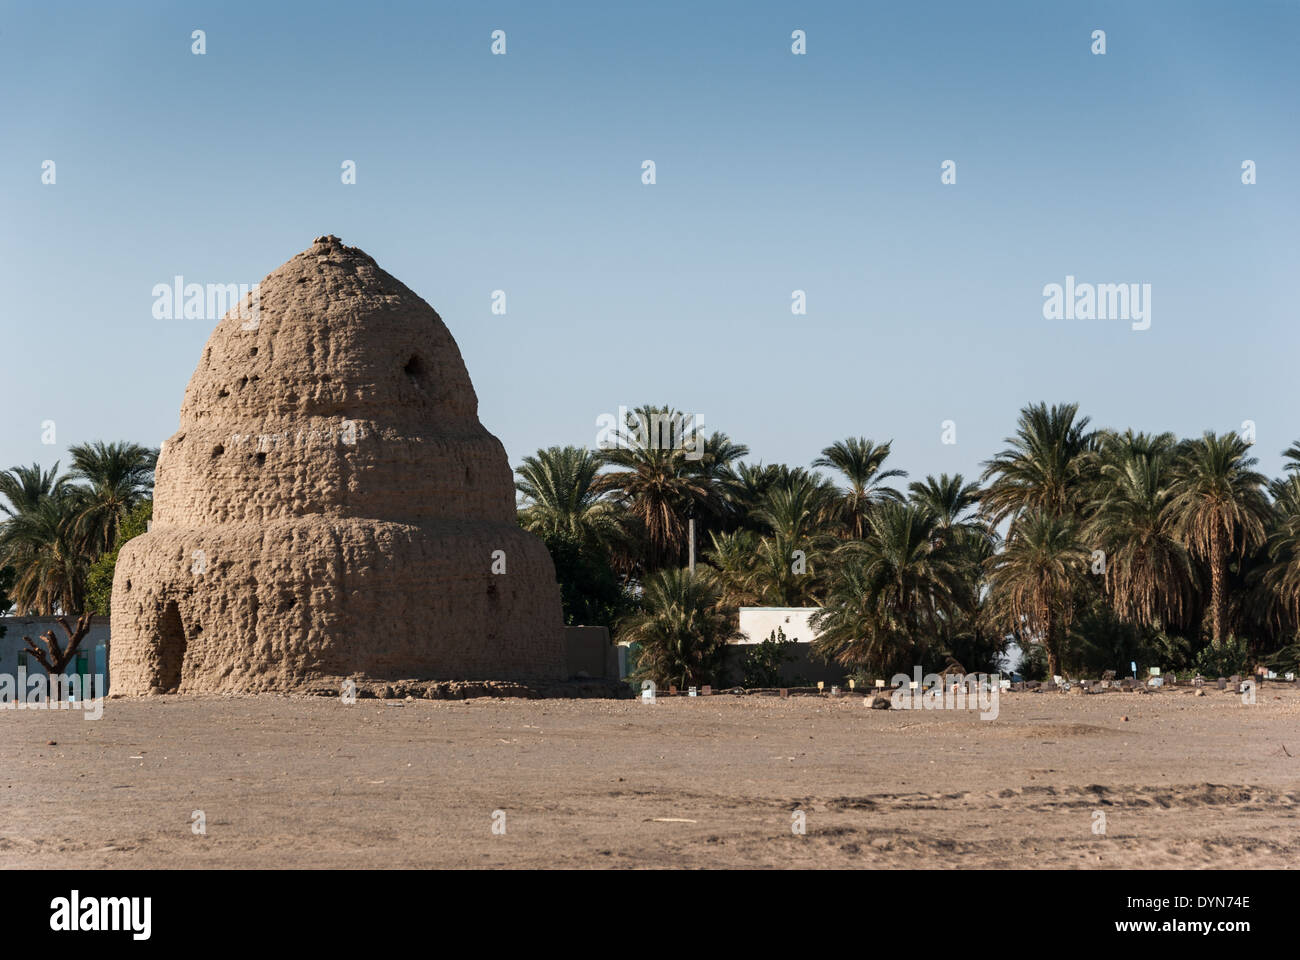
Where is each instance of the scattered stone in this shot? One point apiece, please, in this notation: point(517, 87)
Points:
point(465, 690)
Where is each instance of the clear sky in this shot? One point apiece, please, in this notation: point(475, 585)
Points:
point(775, 172)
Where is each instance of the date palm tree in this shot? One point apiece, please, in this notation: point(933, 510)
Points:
point(798, 506)
point(1032, 579)
point(891, 592)
point(731, 554)
point(952, 501)
point(1281, 576)
point(48, 557)
point(1220, 509)
point(743, 488)
point(860, 461)
point(1148, 574)
point(25, 487)
point(109, 479)
point(659, 481)
point(768, 571)
point(560, 496)
point(682, 628)
point(1045, 467)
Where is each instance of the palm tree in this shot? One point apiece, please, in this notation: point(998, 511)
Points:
point(767, 571)
point(37, 541)
point(1032, 580)
point(789, 573)
point(743, 488)
point(1281, 576)
point(718, 456)
point(797, 505)
point(117, 476)
point(952, 501)
point(660, 483)
point(891, 593)
point(714, 468)
point(681, 628)
point(1219, 508)
point(558, 486)
point(1148, 573)
point(47, 555)
point(860, 461)
point(732, 555)
point(26, 487)
point(1044, 468)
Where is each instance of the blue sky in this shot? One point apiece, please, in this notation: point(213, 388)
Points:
point(775, 172)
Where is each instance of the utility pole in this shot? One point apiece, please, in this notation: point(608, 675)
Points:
point(690, 533)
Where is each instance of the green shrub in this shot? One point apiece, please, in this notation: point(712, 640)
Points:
point(763, 661)
point(1231, 658)
point(99, 580)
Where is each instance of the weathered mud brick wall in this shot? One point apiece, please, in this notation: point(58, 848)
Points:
point(331, 507)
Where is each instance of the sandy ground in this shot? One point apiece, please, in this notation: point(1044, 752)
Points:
point(707, 782)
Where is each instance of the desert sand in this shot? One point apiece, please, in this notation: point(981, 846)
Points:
point(295, 781)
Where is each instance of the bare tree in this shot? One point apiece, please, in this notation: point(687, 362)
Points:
point(54, 658)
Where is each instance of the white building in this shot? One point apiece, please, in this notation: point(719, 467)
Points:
point(758, 623)
point(801, 667)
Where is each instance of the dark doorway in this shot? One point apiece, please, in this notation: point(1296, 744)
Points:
point(171, 649)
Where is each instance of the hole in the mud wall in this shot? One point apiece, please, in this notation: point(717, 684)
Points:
point(218, 450)
point(223, 392)
point(128, 586)
point(288, 602)
point(414, 367)
point(261, 459)
point(171, 649)
point(252, 352)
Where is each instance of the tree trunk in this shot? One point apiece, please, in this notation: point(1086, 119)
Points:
point(1217, 573)
point(54, 658)
point(1049, 641)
